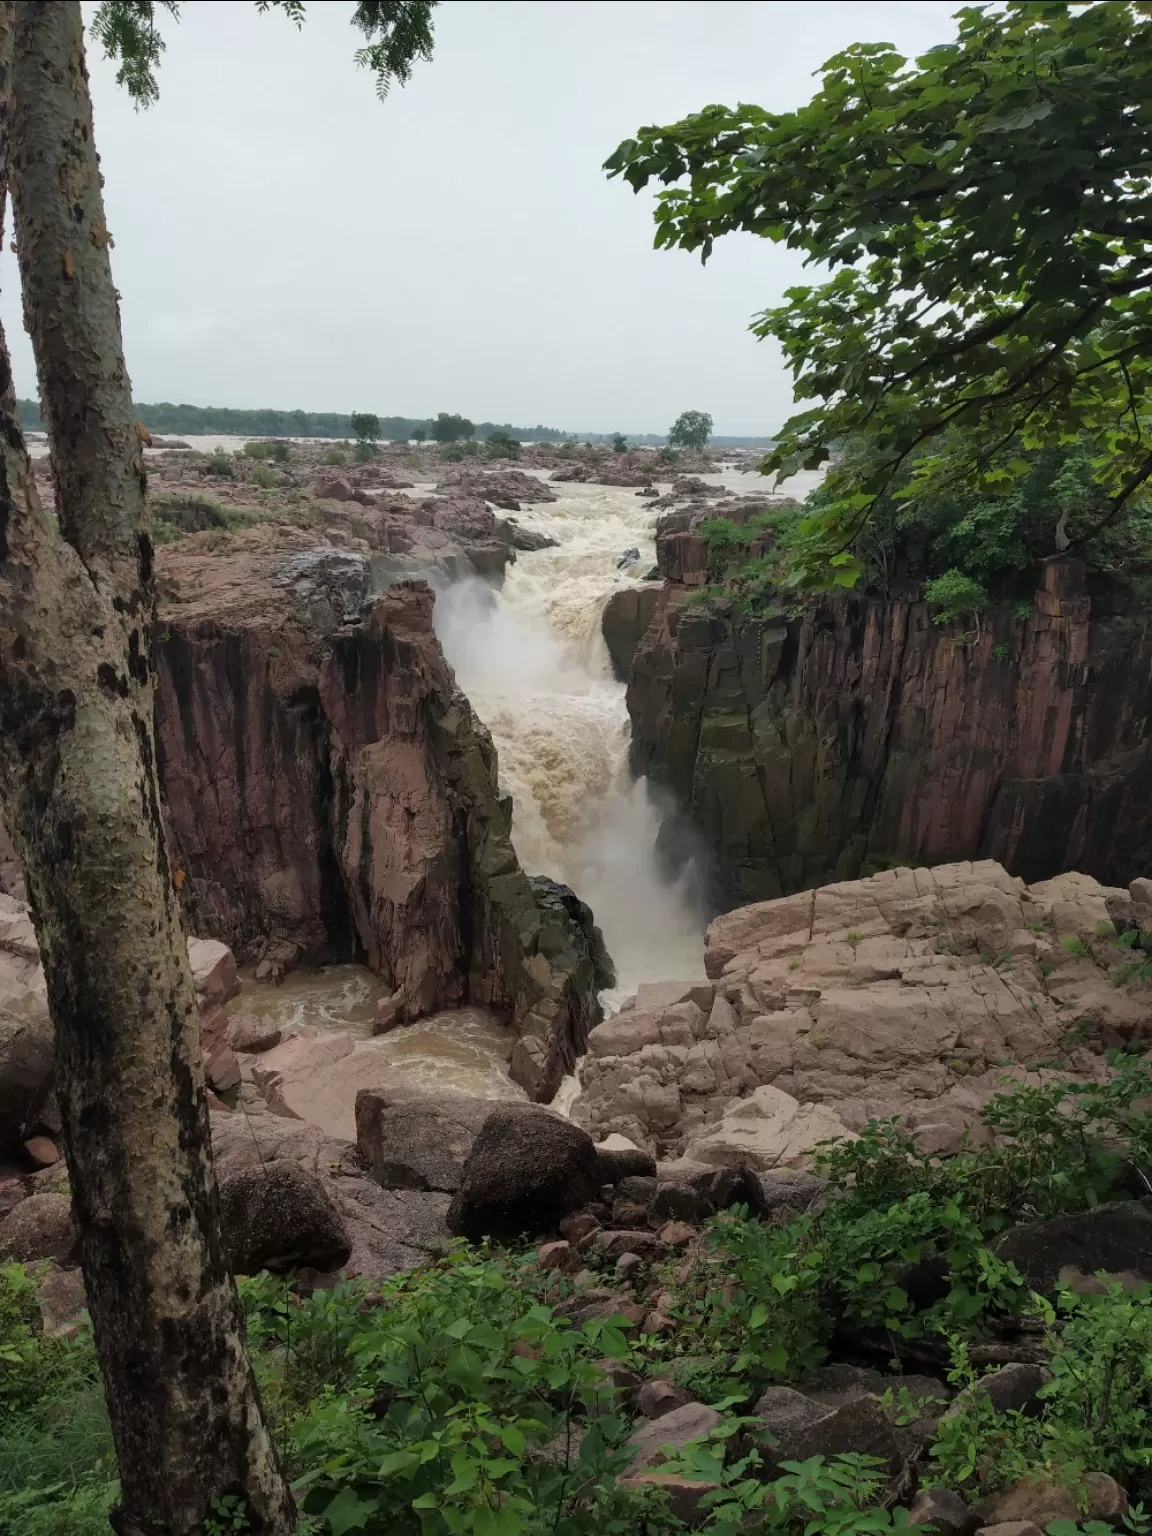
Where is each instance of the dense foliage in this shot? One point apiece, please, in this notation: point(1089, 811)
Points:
point(691, 429)
point(986, 214)
point(967, 550)
point(459, 1398)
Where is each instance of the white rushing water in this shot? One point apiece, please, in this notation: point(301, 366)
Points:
point(533, 662)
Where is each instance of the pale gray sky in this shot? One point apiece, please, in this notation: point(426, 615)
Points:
point(284, 239)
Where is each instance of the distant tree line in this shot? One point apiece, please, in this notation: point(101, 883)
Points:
point(176, 420)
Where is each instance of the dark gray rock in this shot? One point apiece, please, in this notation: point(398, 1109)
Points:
point(789, 1191)
point(692, 1192)
point(945, 1510)
point(628, 1162)
point(656, 1399)
point(834, 1385)
point(280, 1217)
point(527, 1170)
point(1116, 1239)
point(860, 1425)
point(40, 1227)
point(413, 1140)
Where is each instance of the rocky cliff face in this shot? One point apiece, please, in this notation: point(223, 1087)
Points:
point(863, 736)
point(327, 785)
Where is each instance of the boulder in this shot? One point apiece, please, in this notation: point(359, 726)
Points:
point(800, 1428)
point(41, 1151)
point(247, 1032)
point(945, 1510)
point(1115, 1239)
point(769, 1129)
point(683, 1493)
point(1043, 1499)
point(527, 1170)
point(26, 1055)
point(280, 1217)
point(617, 1163)
point(692, 1192)
point(40, 1227)
point(413, 1140)
point(214, 973)
point(61, 1298)
point(834, 1385)
point(655, 1399)
point(789, 1192)
point(1011, 1528)
point(676, 1429)
point(1014, 1386)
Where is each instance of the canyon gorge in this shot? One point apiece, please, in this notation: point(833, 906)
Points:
point(459, 762)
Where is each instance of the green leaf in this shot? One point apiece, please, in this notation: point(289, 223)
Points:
point(349, 1512)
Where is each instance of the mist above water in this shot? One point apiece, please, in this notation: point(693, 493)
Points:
point(533, 662)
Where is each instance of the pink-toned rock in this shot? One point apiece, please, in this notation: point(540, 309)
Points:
point(558, 1255)
point(684, 1493)
point(247, 1032)
point(904, 994)
point(41, 1151)
point(214, 972)
point(677, 1234)
point(291, 701)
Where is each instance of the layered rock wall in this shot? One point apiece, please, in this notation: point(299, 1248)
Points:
point(864, 736)
point(328, 785)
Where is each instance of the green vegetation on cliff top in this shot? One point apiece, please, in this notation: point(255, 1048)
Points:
point(986, 213)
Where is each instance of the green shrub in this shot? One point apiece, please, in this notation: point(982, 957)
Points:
point(955, 596)
point(277, 453)
point(501, 446)
point(262, 477)
point(453, 453)
point(1093, 1416)
point(220, 465)
point(364, 452)
point(335, 456)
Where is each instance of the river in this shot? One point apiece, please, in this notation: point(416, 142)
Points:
point(532, 660)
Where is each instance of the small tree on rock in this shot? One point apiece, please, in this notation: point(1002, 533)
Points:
point(619, 443)
point(450, 429)
point(366, 431)
point(501, 446)
point(691, 429)
point(419, 435)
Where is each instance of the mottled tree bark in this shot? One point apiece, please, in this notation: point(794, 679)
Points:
point(79, 795)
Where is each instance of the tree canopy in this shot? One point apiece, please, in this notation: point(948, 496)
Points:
point(366, 426)
point(691, 429)
point(450, 428)
point(396, 34)
point(986, 213)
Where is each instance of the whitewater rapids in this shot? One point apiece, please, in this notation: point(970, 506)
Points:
point(532, 660)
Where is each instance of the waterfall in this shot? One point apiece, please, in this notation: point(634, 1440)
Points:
point(533, 662)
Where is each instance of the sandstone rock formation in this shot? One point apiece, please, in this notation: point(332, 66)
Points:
point(912, 993)
point(326, 784)
point(863, 735)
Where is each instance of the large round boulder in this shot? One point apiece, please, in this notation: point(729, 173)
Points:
point(40, 1227)
point(280, 1217)
point(26, 1051)
point(527, 1170)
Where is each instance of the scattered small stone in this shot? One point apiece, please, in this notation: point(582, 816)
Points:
point(658, 1323)
point(627, 1265)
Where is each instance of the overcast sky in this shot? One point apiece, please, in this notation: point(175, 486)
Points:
point(284, 239)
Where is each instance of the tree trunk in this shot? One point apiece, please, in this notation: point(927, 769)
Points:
point(81, 801)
